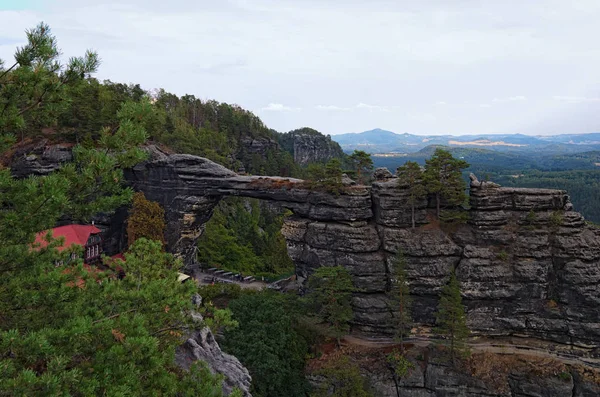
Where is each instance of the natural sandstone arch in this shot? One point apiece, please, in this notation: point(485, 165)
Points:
point(363, 227)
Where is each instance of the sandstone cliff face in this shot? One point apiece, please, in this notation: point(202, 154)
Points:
point(309, 146)
point(528, 264)
point(432, 377)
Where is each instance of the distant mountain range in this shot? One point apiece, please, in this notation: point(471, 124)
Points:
point(382, 141)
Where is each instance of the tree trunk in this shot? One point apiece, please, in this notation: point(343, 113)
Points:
point(413, 215)
point(437, 202)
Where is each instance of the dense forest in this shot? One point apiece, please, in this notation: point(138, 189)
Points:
point(244, 235)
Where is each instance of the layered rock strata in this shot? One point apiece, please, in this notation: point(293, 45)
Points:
point(528, 264)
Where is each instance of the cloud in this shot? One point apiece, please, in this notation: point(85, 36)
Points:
point(332, 108)
point(373, 107)
point(441, 103)
point(278, 107)
point(518, 98)
point(575, 99)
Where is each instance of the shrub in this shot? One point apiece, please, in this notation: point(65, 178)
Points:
point(556, 218)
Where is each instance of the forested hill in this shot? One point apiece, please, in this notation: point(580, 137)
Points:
point(224, 133)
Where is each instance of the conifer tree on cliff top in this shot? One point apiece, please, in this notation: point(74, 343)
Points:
point(443, 178)
point(410, 177)
point(362, 163)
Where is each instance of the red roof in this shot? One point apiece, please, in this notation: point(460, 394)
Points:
point(73, 234)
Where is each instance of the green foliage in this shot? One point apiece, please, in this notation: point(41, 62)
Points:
point(451, 319)
point(327, 177)
point(218, 292)
point(146, 219)
point(410, 177)
point(362, 163)
point(32, 89)
point(443, 179)
point(455, 217)
point(503, 256)
point(399, 364)
point(76, 330)
point(400, 299)
point(267, 343)
point(330, 296)
point(77, 337)
point(218, 319)
point(556, 219)
point(246, 240)
point(342, 379)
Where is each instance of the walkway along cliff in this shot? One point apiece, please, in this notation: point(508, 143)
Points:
point(528, 264)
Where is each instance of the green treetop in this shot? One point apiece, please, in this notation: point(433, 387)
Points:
point(32, 88)
point(410, 178)
point(331, 295)
point(362, 163)
point(443, 178)
point(451, 319)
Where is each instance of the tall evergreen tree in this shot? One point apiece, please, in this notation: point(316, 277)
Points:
point(400, 298)
point(410, 178)
point(451, 320)
point(331, 295)
point(443, 178)
point(362, 163)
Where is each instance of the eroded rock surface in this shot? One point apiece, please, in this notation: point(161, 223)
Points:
point(528, 264)
point(201, 345)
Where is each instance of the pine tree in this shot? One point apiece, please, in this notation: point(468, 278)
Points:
point(32, 89)
point(451, 319)
point(400, 299)
point(443, 178)
point(362, 162)
point(410, 178)
point(331, 296)
point(73, 330)
point(146, 219)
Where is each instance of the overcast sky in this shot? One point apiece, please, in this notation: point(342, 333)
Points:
point(424, 67)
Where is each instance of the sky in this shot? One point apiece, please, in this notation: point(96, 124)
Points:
point(422, 67)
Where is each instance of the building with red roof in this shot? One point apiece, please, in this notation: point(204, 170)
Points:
point(87, 236)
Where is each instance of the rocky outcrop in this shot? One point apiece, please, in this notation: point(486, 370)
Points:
point(40, 158)
point(431, 377)
point(201, 345)
point(528, 264)
point(309, 146)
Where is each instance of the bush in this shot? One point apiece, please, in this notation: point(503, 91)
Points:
point(556, 218)
point(400, 364)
